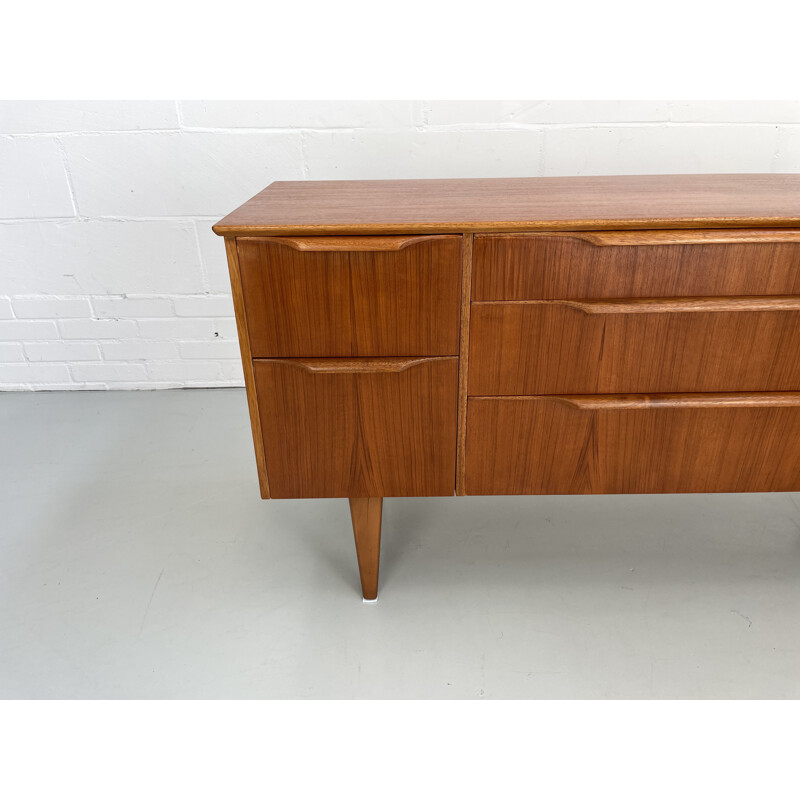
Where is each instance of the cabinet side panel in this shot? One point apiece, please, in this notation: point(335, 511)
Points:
point(247, 363)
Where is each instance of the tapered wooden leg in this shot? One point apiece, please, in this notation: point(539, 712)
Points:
point(366, 514)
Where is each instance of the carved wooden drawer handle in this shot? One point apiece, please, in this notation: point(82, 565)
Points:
point(665, 237)
point(664, 305)
point(618, 402)
point(371, 244)
point(355, 365)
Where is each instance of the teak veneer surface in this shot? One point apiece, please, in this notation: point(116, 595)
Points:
point(247, 363)
point(509, 204)
point(463, 361)
point(604, 346)
point(633, 444)
point(395, 296)
point(366, 428)
point(635, 264)
point(366, 513)
point(587, 335)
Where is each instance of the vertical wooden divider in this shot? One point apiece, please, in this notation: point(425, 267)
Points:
point(463, 362)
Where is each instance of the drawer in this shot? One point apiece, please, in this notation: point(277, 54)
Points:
point(633, 444)
point(619, 264)
point(358, 428)
point(324, 296)
point(658, 345)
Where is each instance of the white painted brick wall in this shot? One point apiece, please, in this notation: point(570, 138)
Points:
point(110, 275)
point(33, 179)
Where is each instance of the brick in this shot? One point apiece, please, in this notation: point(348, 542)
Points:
point(659, 150)
point(787, 158)
point(100, 257)
point(214, 260)
point(34, 180)
point(594, 112)
point(222, 383)
point(132, 307)
point(591, 112)
point(507, 153)
point(97, 329)
point(187, 328)
point(138, 350)
point(26, 330)
point(207, 306)
point(11, 351)
point(48, 116)
point(146, 386)
point(468, 112)
point(107, 371)
point(232, 371)
point(185, 371)
point(295, 114)
point(225, 329)
point(177, 329)
point(71, 386)
point(62, 351)
point(766, 111)
point(29, 372)
point(219, 348)
point(360, 154)
point(177, 174)
point(5, 308)
point(430, 154)
point(51, 307)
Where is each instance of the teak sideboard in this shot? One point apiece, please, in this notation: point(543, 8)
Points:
point(593, 335)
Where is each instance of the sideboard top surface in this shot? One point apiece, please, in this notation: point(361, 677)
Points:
point(519, 204)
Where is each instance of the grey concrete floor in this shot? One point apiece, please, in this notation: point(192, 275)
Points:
point(138, 561)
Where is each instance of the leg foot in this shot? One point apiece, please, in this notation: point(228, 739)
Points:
point(366, 515)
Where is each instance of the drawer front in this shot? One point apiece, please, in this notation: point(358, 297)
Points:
point(661, 345)
point(351, 296)
point(620, 264)
point(633, 444)
point(371, 428)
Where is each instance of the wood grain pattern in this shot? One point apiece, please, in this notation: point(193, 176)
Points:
point(518, 204)
point(366, 513)
point(368, 244)
point(355, 303)
point(664, 305)
point(544, 445)
point(247, 364)
point(639, 238)
point(463, 363)
point(359, 433)
point(357, 364)
point(677, 400)
point(562, 267)
point(595, 347)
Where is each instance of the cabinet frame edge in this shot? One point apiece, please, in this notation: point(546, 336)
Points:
point(232, 253)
